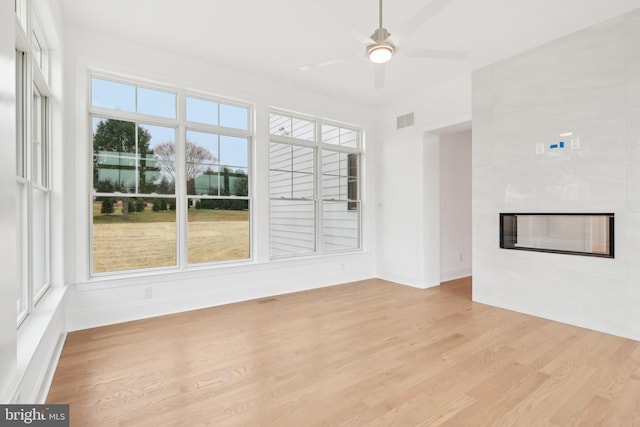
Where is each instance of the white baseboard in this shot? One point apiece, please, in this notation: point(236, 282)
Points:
point(445, 276)
point(401, 279)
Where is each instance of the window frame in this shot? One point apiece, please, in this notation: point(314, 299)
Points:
point(33, 97)
point(319, 146)
point(182, 126)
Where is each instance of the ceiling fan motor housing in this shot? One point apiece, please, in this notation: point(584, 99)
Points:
point(382, 50)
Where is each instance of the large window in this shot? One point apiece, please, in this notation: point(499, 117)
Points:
point(314, 179)
point(167, 191)
point(33, 187)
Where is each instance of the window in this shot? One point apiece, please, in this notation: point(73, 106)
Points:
point(37, 52)
point(217, 169)
point(126, 97)
point(314, 167)
point(39, 193)
point(150, 169)
point(21, 14)
point(134, 221)
point(340, 204)
point(352, 184)
point(33, 187)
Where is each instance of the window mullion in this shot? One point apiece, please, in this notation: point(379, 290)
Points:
point(182, 199)
point(318, 193)
point(136, 136)
point(292, 172)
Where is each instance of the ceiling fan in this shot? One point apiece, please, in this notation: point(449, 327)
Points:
point(383, 48)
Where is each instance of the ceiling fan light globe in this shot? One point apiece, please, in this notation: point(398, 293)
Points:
point(380, 53)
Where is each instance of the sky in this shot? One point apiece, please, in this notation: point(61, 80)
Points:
point(230, 151)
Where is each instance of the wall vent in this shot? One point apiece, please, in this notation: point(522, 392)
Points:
point(404, 121)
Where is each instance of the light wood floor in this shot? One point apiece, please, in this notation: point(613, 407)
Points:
point(365, 353)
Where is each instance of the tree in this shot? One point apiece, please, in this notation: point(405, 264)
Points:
point(128, 207)
point(119, 136)
point(125, 209)
point(198, 159)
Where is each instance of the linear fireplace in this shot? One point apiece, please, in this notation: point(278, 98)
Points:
point(589, 234)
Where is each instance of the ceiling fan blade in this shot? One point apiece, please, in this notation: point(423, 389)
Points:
point(433, 53)
point(340, 20)
point(379, 72)
point(423, 15)
point(327, 62)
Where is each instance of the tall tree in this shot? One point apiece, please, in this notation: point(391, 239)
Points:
point(119, 137)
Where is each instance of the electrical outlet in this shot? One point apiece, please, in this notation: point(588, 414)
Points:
point(575, 143)
point(148, 292)
point(540, 148)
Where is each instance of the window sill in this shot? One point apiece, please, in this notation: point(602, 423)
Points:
point(33, 329)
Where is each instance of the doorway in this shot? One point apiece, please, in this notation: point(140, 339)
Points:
point(455, 190)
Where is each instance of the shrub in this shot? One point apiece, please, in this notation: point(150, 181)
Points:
point(156, 205)
point(198, 204)
point(107, 206)
point(140, 205)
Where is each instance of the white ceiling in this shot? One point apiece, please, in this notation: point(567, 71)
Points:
point(277, 37)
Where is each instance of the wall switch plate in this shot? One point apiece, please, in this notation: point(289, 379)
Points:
point(539, 148)
point(148, 292)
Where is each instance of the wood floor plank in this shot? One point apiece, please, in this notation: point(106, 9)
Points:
point(369, 353)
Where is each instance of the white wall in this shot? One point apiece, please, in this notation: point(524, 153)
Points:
point(8, 217)
point(455, 206)
point(400, 208)
point(587, 83)
point(98, 302)
point(408, 162)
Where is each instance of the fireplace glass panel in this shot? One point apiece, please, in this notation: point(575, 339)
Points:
point(577, 234)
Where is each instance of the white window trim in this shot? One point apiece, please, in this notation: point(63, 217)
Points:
point(182, 126)
point(318, 145)
point(28, 30)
